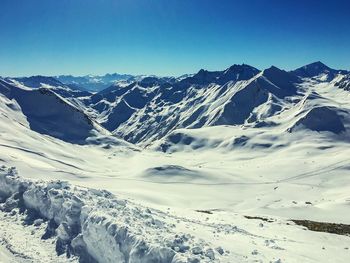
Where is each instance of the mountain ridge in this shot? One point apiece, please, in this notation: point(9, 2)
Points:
point(148, 108)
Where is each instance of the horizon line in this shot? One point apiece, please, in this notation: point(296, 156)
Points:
point(160, 75)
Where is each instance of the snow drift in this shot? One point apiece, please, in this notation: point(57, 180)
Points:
point(96, 225)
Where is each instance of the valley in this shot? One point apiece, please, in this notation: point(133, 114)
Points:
point(236, 143)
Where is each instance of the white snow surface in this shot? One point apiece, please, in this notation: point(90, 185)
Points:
point(100, 225)
point(271, 145)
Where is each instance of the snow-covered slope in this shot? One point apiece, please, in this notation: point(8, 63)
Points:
point(145, 111)
point(231, 158)
point(92, 225)
point(58, 87)
point(318, 70)
point(148, 110)
point(48, 113)
point(343, 82)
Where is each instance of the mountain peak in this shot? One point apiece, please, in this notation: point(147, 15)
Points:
point(240, 68)
point(202, 71)
point(273, 71)
point(280, 78)
point(233, 73)
point(315, 69)
point(203, 77)
point(317, 65)
point(238, 72)
point(273, 68)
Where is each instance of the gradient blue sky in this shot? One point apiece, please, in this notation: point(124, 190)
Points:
point(169, 37)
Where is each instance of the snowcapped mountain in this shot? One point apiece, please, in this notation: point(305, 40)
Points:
point(237, 165)
point(93, 82)
point(36, 82)
point(233, 73)
point(47, 112)
point(318, 69)
point(145, 109)
point(149, 109)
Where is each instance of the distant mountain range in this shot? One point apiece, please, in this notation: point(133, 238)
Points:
point(144, 109)
point(184, 168)
point(93, 82)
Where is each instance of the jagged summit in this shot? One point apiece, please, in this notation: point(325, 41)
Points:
point(147, 108)
point(313, 70)
point(238, 72)
point(283, 82)
point(203, 77)
point(233, 73)
point(275, 73)
point(318, 69)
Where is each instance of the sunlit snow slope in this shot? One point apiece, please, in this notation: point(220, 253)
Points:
point(239, 142)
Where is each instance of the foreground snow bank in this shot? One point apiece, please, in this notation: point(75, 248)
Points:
point(97, 226)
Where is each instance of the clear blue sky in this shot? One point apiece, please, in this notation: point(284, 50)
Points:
point(169, 37)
